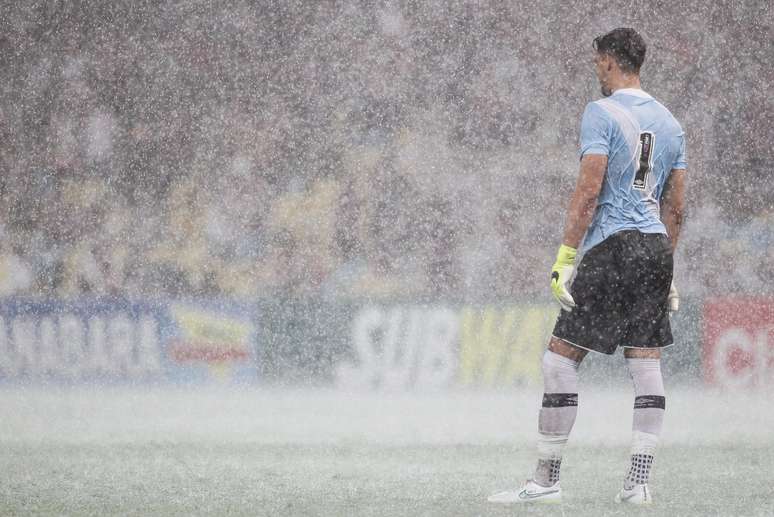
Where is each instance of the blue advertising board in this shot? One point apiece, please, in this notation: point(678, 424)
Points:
point(120, 340)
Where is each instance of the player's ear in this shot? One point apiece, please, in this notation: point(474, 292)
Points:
point(610, 62)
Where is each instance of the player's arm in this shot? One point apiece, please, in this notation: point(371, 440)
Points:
point(584, 199)
point(673, 204)
point(579, 215)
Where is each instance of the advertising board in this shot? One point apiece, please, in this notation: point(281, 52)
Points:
point(738, 344)
point(430, 347)
point(79, 341)
point(125, 341)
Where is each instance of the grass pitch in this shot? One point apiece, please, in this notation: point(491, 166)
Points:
point(275, 453)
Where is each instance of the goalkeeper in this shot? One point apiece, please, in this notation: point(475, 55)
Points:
point(625, 217)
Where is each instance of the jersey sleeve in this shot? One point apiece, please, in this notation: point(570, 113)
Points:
point(595, 131)
point(680, 160)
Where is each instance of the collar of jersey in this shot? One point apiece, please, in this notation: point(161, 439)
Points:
point(633, 91)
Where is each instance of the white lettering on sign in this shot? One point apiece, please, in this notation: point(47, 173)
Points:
point(399, 348)
point(68, 347)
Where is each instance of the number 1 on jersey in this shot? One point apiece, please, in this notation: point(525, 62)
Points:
point(645, 153)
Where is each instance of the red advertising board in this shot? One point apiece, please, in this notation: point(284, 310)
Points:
point(739, 342)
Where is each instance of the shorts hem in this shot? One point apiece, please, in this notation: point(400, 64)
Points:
point(582, 347)
point(646, 347)
point(611, 353)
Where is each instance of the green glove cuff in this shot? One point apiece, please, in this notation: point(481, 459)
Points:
point(566, 255)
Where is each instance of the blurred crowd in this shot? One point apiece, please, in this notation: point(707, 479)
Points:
point(357, 149)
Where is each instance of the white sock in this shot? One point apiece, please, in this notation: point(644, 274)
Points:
point(649, 405)
point(557, 416)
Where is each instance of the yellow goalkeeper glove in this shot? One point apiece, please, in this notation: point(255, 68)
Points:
point(561, 273)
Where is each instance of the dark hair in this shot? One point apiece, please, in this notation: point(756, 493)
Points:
point(625, 45)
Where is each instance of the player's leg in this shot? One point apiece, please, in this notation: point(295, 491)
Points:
point(557, 416)
point(590, 326)
point(648, 330)
point(559, 407)
point(644, 365)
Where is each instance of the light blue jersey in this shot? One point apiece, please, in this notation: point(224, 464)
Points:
point(643, 143)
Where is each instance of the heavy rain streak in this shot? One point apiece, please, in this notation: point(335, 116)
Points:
point(294, 258)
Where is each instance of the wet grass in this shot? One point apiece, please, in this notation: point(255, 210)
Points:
point(358, 479)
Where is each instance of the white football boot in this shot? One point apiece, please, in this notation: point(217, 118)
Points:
point(638, 494)
point(530, 492)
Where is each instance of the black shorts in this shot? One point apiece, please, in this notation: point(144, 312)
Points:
point(620, 292)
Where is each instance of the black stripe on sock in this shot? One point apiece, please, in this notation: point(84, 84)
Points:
point(560, 399)
point(649, 401)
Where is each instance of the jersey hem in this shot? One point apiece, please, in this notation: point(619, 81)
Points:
point(584, 248)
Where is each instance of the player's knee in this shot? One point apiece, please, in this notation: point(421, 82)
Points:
point(642, 353)
point(565, 349)
point(559, 373)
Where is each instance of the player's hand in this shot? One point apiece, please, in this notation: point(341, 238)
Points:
point(561, 273)
point(673, 299)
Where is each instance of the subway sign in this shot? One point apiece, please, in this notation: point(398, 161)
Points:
point(405, 347)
